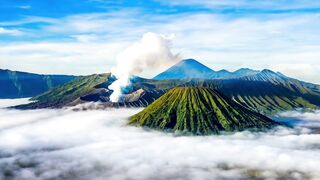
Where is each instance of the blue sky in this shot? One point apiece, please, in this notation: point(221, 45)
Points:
point(85, 36)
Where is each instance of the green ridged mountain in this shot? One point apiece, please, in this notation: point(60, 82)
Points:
point(200, 111)
point(63, 95)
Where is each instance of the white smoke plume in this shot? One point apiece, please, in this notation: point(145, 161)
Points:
point(64, 144)
point(151, 52)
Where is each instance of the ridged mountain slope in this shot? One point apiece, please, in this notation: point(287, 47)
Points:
point(15, 84)
point(65, 94)
point(269, 92)
point(199, 111)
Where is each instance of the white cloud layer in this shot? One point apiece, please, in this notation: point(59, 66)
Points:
point(64, 144)
point(302, 119)
point(13, 102)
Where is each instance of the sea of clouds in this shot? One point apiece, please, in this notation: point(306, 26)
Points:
point(67, 144)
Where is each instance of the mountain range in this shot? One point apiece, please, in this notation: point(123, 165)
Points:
point(265, 91)
point(192, 69)
point(16, 84)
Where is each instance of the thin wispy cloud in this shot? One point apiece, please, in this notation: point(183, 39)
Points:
point(29, 20)
point(221, 40)
point(10, 32)
point(24, 7)
point(253, 6)
point(60, 57)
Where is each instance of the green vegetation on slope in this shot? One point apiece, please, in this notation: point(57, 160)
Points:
point(60, 96)
point(200, 111)
point(271, 97)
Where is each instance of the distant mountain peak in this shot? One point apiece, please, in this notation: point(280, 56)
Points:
point(186, 69)
point(189, 60)
point(266, 75)
point(192, 63)
point(267, 71)
point(272, 73)
point(245, 71)
point(224, 71)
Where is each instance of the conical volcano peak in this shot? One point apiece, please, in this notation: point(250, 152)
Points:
point(199, 111)
point(186, 69)
point(194, 65)
point(190, 61)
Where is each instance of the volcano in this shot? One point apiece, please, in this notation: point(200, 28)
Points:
point(199, 111)
point(186, 69)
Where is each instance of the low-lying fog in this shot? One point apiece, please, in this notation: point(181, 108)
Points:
point(64, 144)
